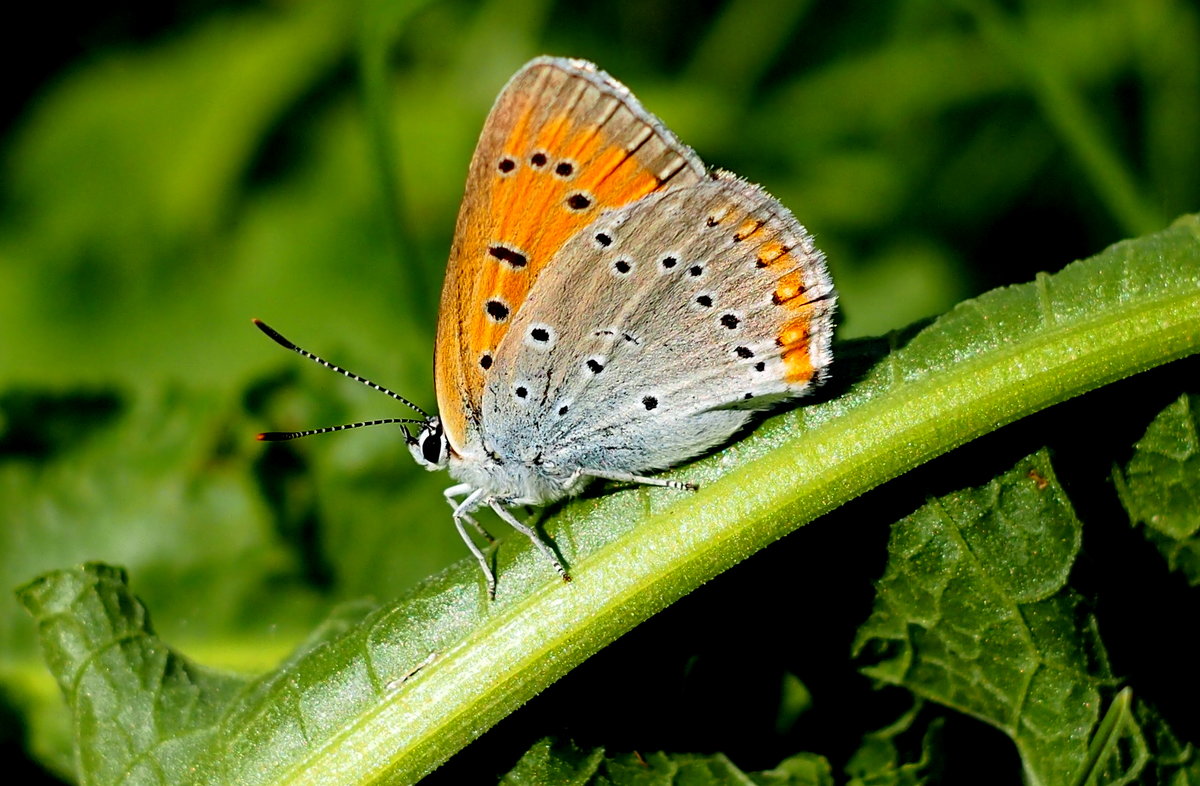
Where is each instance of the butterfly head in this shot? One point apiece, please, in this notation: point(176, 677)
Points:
point(429, 447)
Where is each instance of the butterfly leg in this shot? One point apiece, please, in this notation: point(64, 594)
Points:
point(462, 513)
point(458, 491)
point(627, 477)
point(530, 533)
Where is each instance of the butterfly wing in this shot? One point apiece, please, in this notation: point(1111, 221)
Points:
point(563, 143)
point(651, 336)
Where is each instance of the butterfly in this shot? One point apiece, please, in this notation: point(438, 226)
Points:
point(611, 307)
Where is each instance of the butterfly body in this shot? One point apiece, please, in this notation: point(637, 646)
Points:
point(610, 308)
point(525, 479)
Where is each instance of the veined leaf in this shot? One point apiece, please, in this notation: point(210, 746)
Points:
point(565, 764)
point(1160, 486)
point(141, 711)
point(975, 612)
point(877, 762)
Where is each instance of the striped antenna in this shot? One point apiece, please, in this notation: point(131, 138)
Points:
point(281, 436)
point(283, 342)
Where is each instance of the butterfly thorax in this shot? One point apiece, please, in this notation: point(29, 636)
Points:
point(521, 480)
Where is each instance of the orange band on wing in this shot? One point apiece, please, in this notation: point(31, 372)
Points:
point(794, 332)
point(772, 252)
point(788, 288)
point(797, 365)
point(562, 143)
point(795, 338)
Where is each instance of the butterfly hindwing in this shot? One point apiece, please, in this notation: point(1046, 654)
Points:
point(563, 143)
point(688, 309)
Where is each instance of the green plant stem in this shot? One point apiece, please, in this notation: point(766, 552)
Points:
point(525, 647)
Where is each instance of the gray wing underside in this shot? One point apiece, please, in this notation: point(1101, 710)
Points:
point(653, 334)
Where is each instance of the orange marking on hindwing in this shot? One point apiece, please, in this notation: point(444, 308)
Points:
point(797, 365)
point(788, 288)
point(795, 332)
point(771, 252)
point(795, 338)
point(748, 228)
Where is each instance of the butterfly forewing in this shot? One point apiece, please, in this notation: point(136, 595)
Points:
point(563, 143)
point(705, 303)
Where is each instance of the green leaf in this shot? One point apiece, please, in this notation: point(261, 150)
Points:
point(184, 171)
point(878, 761)
point(794, 700)
point(179, 509)
point(142, 712)
point(803, 769)
point(989, 361)
point(566, 764)
point(1160, 486)
point(551, 761)
point(974, 612)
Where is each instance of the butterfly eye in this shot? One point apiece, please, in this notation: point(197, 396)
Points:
point(431, 443)
point(431, 449)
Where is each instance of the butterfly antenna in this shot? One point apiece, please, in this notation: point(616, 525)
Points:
point(281, 436)
point(283, 342)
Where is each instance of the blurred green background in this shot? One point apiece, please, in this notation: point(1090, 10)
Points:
point(172, 170)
